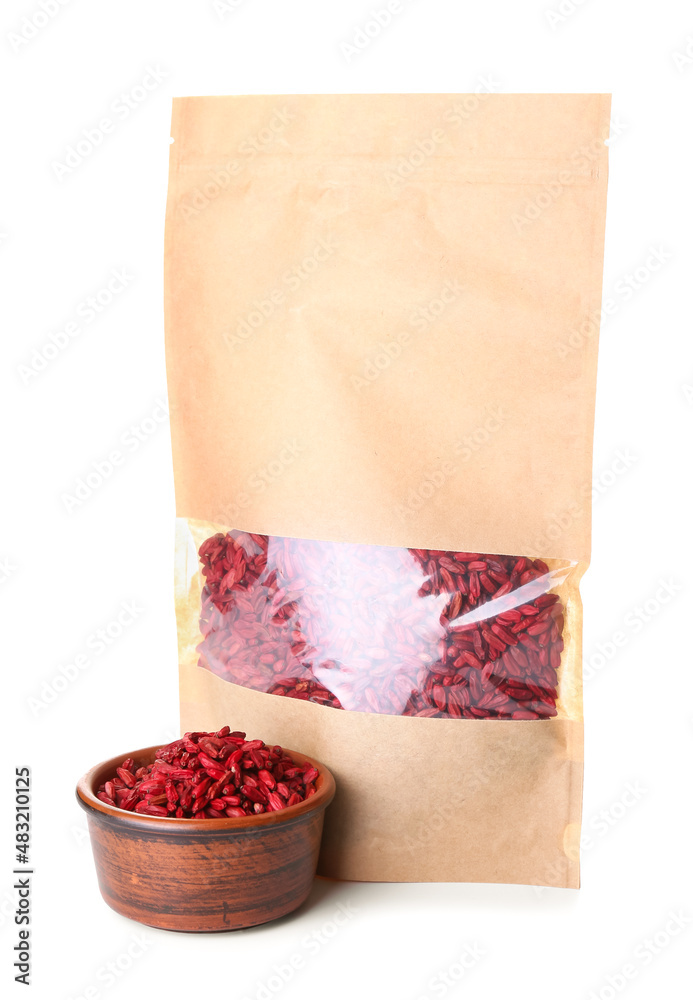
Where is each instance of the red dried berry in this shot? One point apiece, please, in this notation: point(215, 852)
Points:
point(272, 780)
point(373, 629)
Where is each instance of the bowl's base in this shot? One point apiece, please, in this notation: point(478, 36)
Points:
point(197, 923)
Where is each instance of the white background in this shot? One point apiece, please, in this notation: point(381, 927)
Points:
point(66, 574)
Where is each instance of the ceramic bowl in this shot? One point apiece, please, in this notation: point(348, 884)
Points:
point(209, 874)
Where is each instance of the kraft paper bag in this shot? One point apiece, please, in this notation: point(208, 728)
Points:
point(371, 304)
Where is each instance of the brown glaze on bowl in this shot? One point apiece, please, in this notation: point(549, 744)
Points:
point(208, 874)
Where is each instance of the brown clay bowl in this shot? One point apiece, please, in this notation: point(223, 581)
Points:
point(209, 874)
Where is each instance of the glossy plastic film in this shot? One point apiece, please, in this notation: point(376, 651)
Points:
point(396, 631)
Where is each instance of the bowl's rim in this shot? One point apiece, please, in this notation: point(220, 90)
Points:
point(86, 796)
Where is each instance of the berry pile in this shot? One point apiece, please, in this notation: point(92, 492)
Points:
point(210, 776)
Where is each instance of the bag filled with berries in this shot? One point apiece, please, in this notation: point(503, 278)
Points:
point(382, 363)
